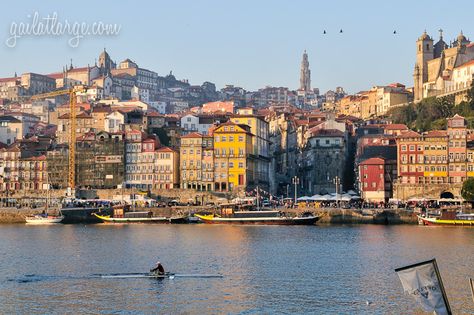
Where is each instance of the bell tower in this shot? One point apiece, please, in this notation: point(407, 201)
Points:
point(424, 53)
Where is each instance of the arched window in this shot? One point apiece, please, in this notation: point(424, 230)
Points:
point(427, 47)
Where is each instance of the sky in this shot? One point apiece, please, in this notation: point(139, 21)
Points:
point(246, 43)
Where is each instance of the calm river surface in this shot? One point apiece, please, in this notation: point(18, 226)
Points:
point(267, 269)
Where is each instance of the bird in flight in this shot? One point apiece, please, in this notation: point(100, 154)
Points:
point(324, 32)
point(340, 31)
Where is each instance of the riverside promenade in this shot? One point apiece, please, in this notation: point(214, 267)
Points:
point(327, 215)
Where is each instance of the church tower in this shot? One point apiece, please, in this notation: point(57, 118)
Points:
point(105, 63)
point(424, 53)
point(305, 74)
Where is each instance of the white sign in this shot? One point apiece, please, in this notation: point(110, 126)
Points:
point(422, 281)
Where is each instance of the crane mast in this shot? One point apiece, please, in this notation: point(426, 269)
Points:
point(72, 129)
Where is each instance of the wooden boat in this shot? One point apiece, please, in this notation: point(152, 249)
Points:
point(230, 214)
point(133, 217)
point(449, 218)
point(41, 219)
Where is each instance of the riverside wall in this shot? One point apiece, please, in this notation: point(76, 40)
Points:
point(327, 216)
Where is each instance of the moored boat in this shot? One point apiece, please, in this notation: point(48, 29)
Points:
point(133, 217)
point(449, 218)
point(81, 211)
point(230, 214)
point(41, 219)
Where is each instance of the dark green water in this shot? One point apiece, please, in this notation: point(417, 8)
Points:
point(267, 269)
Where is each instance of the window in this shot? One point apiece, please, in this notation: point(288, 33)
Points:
point(231, 164)
point(241, 138)
point(241, 165)
point(231, 139)
point(223, 138)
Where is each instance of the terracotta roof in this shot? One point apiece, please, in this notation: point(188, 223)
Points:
point(56, 75)
point(80, 115)
point(154, 114)
point(436, 133)
point(409, 134)
point(101, 109)
point(374, 160)
point(394, 127)
point(9, 79)
point(193, 135)
point(79, 69)
point(166, 149)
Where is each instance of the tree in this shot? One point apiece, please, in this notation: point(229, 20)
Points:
point(467, 191)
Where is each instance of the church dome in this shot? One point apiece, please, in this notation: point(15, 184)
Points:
point(424, 36)
point(461, 38)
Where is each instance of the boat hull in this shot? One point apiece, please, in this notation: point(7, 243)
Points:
point(436, 221)
point(39, 220)
point(79, 215)
point(108, 219)
point(260, 221)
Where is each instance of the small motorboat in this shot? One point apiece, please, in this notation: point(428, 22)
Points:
point(43, 219)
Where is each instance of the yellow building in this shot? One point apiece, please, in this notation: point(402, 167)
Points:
point(233, 157)
point(435, 155)
point(166, 169)
point(260, 145)
point(196, 158)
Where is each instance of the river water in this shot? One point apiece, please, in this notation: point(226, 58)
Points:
point(266, 269)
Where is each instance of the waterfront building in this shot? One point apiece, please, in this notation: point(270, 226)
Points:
point(233, 157)
point(197, 162)
point(140, 160)
point(260, 145)
point(322, 160)
point(376, 177)
point(99, 160)
point(166, 175)
point(27, 173)
point(435, 163)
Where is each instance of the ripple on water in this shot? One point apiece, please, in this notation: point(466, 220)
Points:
point(267, 270)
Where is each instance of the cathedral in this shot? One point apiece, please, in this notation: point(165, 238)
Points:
point(437, 64)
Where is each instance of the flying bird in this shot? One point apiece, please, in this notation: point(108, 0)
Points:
point(394, 32)
point(340, 31)
point(324, 32)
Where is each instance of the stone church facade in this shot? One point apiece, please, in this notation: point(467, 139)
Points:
point(436, 66)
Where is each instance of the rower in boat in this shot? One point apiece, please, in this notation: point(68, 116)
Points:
point(158, 269)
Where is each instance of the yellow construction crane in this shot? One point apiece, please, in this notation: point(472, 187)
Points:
point(72, 128)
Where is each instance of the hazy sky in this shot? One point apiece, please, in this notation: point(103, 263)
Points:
point(246, 43)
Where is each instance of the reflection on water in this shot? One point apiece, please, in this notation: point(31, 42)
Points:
point(267, 269)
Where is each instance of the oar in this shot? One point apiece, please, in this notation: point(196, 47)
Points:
point(471, 282)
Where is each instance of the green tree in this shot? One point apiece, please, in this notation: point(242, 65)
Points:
point(467, 191)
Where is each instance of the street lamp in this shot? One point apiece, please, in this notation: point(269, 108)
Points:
point(337, 181)
point(295, 180)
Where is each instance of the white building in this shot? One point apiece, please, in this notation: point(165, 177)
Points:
point(114, 121)
point(10, 129)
